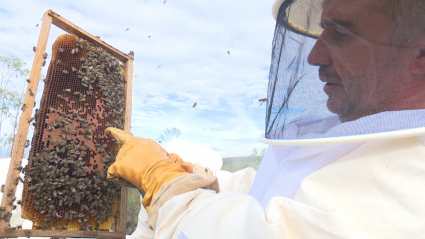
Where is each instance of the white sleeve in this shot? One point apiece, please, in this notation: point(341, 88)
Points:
point(374, 192)
point(240, 181)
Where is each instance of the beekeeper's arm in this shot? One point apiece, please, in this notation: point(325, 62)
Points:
point(342, 200)
point(201, 158)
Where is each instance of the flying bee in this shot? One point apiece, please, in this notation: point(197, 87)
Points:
point(67, 90)
point(263, 100)
point(65, 72)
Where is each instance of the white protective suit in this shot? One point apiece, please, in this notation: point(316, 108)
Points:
point(320, 178)
point(353, 190)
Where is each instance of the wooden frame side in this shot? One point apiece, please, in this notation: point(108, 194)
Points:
point(128, 74)
point(23, 127)
point(64, 233)
point(49, 18)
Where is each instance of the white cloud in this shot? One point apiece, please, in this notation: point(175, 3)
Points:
point(190, 40)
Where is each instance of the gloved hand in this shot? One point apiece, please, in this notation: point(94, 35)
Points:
point(187, 166)
point(143, 163)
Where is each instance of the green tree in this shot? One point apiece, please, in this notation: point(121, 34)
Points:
point(168, 135)
point(133, 209)
point(257, 157)
point(10, 100)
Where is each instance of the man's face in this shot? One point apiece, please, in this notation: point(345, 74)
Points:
point(363, 73)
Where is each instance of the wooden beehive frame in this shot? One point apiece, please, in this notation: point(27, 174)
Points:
point(49, 18)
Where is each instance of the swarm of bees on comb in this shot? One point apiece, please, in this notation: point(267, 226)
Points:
point(65, 184)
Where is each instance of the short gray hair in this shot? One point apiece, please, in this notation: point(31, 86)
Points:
point(408, 17)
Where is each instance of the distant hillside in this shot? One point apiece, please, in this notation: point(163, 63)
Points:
point(233, 164)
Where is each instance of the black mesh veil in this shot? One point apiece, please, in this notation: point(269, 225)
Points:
point(291, 78)
point(345, 73)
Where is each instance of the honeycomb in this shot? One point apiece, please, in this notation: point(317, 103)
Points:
point(65, 183)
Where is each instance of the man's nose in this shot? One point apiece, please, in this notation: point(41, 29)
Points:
point(319, 55)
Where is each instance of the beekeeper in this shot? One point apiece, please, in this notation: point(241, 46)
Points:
point(345, 123)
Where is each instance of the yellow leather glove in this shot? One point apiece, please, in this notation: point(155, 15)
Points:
point(187, 166)
point(143, 163)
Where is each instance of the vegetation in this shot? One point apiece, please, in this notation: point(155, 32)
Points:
point(133, 208)
point(10, 100)
point(233, 164)
point(168, 135)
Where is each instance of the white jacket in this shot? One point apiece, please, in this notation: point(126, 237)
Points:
point(374, 191)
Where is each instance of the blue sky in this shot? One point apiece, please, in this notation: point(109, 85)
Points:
point(180, 58)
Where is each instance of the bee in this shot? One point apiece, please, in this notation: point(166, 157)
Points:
point(72, 51)
point(82, 100)
point(13, 207)
point(2, 209)
point(73, 69)
point(65, 72)
point(24, 106)
point(32, 118)
point(44, 80)
point(28, 80)
point(31, 93)
point(60, 97)
point(27, 143)
point(76, 50)
point(61, 50)
point(19, 202)
point(34, 48)
point(44, 63)
point(82, 59)
point(194, 105)
point(67, 90)
point(58, 62)
point(263, 100)
point(44, 55)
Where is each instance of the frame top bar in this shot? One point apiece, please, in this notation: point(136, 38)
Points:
point(71, 28)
